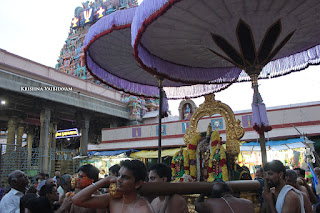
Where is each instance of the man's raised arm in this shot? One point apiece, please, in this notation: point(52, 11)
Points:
point(85, 197)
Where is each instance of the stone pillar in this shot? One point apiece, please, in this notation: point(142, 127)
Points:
point(52, 139)
point(29, 144)
point(20, 132)
point(84, 135)
point(44, 145)
point(12, 126)
point(10, 157)
point(19, 151)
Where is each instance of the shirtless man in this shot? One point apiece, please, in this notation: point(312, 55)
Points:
point(291, 179)
point(87, 174)
point(301, 181)
point(166, 204)
point(288, 199)
point(132, 175)
point(221, 200)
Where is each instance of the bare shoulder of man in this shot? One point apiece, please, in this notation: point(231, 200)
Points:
point(143, 206)
point(203, 207)
point(248, 205)
point(115, 205)
point(307, 203)
point(179, 203)
point(291, 203)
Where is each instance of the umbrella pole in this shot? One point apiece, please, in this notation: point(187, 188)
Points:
point(263, 148)
point(159, 122)
point(262, 138)
point(264, 161)
point(256, 100)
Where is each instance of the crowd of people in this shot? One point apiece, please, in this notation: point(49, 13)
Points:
point(289, 192)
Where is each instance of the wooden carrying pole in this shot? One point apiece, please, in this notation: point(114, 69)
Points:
point(164, 188)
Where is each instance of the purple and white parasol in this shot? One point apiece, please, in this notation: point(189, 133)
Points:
point(109, 57)
point(205, 41)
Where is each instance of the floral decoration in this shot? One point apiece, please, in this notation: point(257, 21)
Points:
point(192, 147)
point(217, 164)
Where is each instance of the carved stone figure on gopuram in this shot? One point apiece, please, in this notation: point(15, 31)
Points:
point(71, 59)
point(206, 157)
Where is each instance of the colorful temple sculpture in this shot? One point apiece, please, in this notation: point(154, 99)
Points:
point(71, 59)
point(138, 106)
point(206, 157)
point(186, 109)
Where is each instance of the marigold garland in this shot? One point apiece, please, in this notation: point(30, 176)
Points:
point(192, 147)
point(186, 162)
point(215, 139)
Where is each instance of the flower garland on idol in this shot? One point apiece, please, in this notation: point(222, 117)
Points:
point(177, 163)
point(186, 162)
point(184, 175)
point(218, 163)
point(192, 154)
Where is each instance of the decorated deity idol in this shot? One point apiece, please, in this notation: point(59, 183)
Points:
point(217, 164)
point(187, 112)
point(205, 158)
point(178, 164)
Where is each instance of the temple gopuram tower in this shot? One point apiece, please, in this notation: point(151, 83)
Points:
point(71, 59)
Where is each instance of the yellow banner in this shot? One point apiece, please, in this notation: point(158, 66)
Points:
point(154, 154)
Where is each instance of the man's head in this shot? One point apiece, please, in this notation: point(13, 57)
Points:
point(41, 176)
point(65, 182)
point(49, 191)
point(259, 172)
point(276, 173)
point(114, 170)
point(18, 180)
point(219, 189)
point(25, 201)
point(291, 177)
point(317, 172)
point(46, 176)
point(87, 174)
point(56, 173)
point(160, 173)
point(50, 181)
point(244, 175)
point(40, 205)
point(131, 176)
point(300, 172)
point(58, 180)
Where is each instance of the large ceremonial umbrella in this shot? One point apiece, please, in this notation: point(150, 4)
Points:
point(177, 39)
point(109, 57)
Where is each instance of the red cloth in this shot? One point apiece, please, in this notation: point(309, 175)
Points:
point(192, 147)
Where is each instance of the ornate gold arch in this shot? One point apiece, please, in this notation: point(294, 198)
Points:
point(210, 107)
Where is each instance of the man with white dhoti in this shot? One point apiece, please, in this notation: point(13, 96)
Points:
point(288, 199)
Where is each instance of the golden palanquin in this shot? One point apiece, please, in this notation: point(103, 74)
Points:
point(207, 158)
